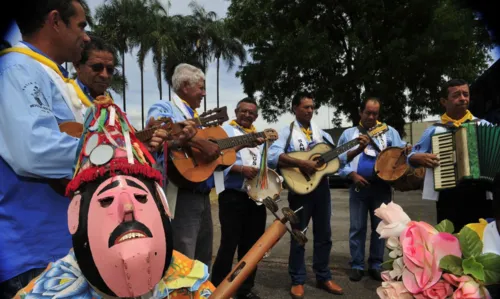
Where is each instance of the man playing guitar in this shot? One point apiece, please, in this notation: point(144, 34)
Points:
point(300, 136)
point(367, 191)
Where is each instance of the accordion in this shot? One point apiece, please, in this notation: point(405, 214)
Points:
point(470, 153)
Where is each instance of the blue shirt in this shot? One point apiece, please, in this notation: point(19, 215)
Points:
point(234, 180)
point(85, 89)
point(168, 109)
point(33, 217)
point(424, 145)
point(278, 147)
point(366, 163)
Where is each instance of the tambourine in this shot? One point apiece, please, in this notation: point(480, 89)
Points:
point(273, 190)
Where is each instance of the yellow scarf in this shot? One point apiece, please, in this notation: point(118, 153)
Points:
point(195, 113)
point(44, 60)
point(307, 132)
point(246, 130)
point(446, 119)
point(378, 123)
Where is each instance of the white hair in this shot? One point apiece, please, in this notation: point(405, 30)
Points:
point(186, 73)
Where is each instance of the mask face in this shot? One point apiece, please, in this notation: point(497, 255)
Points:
point(121, 235)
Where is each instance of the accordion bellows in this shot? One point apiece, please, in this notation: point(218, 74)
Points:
point(471, 153)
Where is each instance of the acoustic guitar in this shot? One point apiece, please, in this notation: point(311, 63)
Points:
point(327, 162)
point(189, 164)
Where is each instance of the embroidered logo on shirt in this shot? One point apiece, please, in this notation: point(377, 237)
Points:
point(34, 92)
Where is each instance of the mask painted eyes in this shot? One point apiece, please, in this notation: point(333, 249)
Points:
point(142, 198)
point(106, 201)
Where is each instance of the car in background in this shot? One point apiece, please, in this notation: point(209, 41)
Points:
point(335, 181)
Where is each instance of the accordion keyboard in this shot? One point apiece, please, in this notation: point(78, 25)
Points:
point(445, 175)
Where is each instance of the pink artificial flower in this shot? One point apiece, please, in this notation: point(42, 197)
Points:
point(467, 287)
point(394, 220)
point(440, 290)
point(393, 290)
point(423, 248)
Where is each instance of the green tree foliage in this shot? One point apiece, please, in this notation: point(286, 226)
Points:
point(343, 51)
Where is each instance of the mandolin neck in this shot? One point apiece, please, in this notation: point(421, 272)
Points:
point(334, 153)
point(239, 140)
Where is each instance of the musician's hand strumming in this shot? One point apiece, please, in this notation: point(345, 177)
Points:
point(425, 160)
point(308, 167)
point(210, 149)
point(249, 172)
point(358, 180)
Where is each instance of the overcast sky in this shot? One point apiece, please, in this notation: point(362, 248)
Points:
point(231, 90)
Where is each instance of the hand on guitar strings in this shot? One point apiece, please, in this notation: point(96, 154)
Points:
point(308, 167)
point(249, 172)
point(425, 160)
point(358, 180)
point(210, 149)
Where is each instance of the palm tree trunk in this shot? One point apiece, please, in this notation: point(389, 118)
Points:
point(205, 83)
point(123, 67)
point(169, 93)
point(142, 97)
point(218, 61)
point(159, 86)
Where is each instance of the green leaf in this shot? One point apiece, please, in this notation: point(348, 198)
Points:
point(453, 264)
point(387, 265)
point(491, 265)
point(470, 243)
point(445, 226)
point(473, 268)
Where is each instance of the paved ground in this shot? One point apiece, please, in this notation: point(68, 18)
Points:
point(272, 278)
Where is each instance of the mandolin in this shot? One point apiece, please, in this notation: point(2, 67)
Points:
point(327, 162)
point(189, 163)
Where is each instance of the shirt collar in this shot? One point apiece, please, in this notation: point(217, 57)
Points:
point(85, 89)
point(35, 49)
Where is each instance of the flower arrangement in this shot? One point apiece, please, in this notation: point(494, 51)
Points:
point(430, 261)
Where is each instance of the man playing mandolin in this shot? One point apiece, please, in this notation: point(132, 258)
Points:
point(367, 191)
point(301, 135)
point(242, 221)
point(192, 213)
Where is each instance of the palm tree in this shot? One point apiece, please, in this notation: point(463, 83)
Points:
point(116, 19)
point(228, 48)
point(205, 29)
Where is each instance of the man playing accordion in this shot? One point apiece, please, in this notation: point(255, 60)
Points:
point(464, 203)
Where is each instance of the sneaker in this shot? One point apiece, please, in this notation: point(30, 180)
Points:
point(375, 274)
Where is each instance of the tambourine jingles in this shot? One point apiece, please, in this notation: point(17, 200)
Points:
point(392, 166)
point(273, 190)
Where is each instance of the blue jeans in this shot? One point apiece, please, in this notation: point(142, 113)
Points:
point(360, 204)
point(9, 288)
point(316, 205)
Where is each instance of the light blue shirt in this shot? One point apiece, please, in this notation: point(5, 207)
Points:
point(166, 108)
point(33, 217)
point(234, 180)
point(366, 163)
point(424, 145)
point(278, 147)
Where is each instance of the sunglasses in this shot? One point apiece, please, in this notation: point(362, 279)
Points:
point(98, 67)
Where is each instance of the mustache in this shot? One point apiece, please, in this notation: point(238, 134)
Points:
point(128, 227)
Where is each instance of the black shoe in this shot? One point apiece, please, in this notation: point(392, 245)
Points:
point(356, 274)
point(375, 274)
point(249, 295)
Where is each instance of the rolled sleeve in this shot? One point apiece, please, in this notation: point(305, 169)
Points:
point(424, 144)
point(277, 148)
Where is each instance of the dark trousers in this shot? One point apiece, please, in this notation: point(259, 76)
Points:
point(463, 205)
point(361, 204)
point(9, 288)
point(242, 223)
point(192, 226)
point(316, 205)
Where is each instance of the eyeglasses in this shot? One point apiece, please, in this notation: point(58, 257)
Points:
point(98, 67)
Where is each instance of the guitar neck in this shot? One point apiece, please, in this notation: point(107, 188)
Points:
point(330, 155)
point(146, 134)
point(239, 140)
